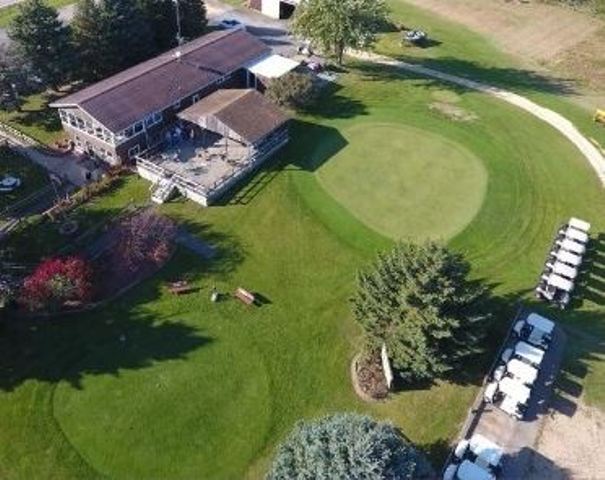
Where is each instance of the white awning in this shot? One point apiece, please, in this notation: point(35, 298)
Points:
point(579, 224)
point(565, 270)
point(514, 389)
point(471, 471)
point(577, 235)
point(273, 66)
point(569, 258)
point(532, 354)
point(541, 323)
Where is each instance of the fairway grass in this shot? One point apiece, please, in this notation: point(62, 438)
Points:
point(404, 182)
point(162, 386)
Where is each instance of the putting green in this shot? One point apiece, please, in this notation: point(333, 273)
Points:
point(404, 182)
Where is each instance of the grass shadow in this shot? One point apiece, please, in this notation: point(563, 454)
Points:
point(72, 347)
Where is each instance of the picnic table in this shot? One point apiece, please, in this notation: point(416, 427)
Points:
point(180, 287)
point(245, 296)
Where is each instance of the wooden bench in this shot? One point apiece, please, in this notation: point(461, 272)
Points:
point(180, 287)
point(245, 296)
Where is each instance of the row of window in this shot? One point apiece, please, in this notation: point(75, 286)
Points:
point(87, 126)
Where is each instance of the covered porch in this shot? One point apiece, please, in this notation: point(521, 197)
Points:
point(216, 142)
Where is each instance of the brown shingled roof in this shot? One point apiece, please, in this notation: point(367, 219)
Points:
point(246, 112)
point(151, 86)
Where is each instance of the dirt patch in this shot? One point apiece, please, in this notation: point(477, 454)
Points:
point(566, 42)
point(570, 443)
point(453, 112)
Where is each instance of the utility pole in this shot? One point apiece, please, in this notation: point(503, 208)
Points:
point(179, 37)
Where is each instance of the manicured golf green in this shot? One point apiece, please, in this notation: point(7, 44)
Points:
point(404, 182)
point(159, 386)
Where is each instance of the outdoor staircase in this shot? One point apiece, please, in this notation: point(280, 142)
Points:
point(163, 190)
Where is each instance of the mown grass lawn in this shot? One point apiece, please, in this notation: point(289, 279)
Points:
point(36, 119)
point(8, 14)
point(176, 387)
point(31, 175)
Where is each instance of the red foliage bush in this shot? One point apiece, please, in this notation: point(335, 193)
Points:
point(56, 281)
point(142, 239)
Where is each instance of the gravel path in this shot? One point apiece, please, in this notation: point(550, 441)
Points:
point(557, 121)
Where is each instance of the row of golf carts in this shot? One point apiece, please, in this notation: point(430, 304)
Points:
point(563, 264)
point(510, 389)
point(518, 368)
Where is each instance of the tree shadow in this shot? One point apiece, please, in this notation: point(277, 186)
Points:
point(530, 464)
point(496, 314)
point(72, 347)
point(43, 117)
point(516, 79)
point(331, 104)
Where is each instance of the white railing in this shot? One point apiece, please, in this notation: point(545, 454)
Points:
point(247, 164)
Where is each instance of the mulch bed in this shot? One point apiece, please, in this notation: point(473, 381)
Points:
point(368, 378)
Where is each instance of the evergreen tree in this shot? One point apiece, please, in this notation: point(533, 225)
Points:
point(417, 299)
point(87, 35)
point(347, 446)
point(126, 37)
point(193, 18)
point(160, 14)
point(43, 41)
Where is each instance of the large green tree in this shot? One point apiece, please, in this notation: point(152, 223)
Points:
point(43, 41)
point(161, 15)
point(87, 30)
point(335, 25)
point(126, 36)
point(346, 446)
point(418, 300)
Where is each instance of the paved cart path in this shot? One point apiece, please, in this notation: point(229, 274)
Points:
point(557, 121)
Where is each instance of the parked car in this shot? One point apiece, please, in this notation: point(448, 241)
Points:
point(231, 23)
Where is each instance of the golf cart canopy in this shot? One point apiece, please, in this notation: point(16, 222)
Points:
point(572, 246)
point(579, 224)
point(532, 354)
point(568, 257)
point(559, 282)
point(541, 323)
point(565, 270)
point(577, 235)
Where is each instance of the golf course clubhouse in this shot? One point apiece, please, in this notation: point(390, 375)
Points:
point(186, 118)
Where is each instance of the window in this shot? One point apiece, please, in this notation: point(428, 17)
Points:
point(133, 151)
point(129, 132)
point(138, 127)
point(176, 105)
point(196, 98)
point(157, 117)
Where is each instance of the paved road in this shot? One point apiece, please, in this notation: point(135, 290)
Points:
point(592, 154)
